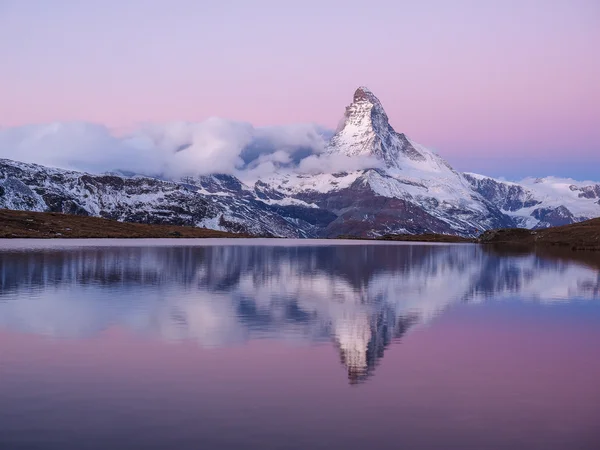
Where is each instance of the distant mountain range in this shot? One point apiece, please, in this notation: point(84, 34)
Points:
point(394, 186)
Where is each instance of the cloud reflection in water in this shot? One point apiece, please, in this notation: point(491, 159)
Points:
point(361, 297)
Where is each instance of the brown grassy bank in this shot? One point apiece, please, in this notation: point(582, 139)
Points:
point(577, 236)
point(25, 224)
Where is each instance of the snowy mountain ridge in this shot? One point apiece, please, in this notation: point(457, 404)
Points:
point(394, 186)
point(541, 202)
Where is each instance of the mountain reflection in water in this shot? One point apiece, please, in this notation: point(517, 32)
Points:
point(361, 297)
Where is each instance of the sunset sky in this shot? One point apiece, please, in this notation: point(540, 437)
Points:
point(507, 88)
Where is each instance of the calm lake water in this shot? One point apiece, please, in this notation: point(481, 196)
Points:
point(283, 344)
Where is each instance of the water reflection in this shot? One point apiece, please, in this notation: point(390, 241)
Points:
point(360, 297)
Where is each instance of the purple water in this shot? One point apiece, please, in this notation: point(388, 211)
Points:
point(297, 345)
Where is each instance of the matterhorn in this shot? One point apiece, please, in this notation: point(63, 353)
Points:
point(368, 181)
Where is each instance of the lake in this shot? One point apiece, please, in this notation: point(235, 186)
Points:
point(287, 344)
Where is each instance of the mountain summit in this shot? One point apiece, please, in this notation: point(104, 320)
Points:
point(365, 131)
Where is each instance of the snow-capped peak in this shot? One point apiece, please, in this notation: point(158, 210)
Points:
point(365, 131)
point(363, 90)
point(364, 100)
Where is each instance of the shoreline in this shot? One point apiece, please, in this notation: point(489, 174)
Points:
point(582, 236)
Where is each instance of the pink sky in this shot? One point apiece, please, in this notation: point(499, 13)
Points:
point(477, 79)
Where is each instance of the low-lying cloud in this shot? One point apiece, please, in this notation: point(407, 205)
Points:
point(177, 149)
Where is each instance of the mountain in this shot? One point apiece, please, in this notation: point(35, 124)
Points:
point(369, 181)
point(541, 202)
point(366, 131)
point(407, 189)
point(218, 202)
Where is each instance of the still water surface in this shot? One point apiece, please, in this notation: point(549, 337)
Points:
point(282, 344)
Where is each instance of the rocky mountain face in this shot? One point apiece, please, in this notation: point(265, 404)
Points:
point(218, 202)
point(365, 131)
point(541, 202)
point(408, 189)
point(396, 186)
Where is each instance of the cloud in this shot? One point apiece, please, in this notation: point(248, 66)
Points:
point(171, 150)
point(76, 146)
point(188, 149)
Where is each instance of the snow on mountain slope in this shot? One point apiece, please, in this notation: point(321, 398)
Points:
point(365, 131)
point(424, 193)
point(369, 180)
point(541, 202)
point(292, 183)
point(219, 201)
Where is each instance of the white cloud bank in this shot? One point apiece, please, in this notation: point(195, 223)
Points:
point(177, 149)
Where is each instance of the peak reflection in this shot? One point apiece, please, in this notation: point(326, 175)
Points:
point(360, 297)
